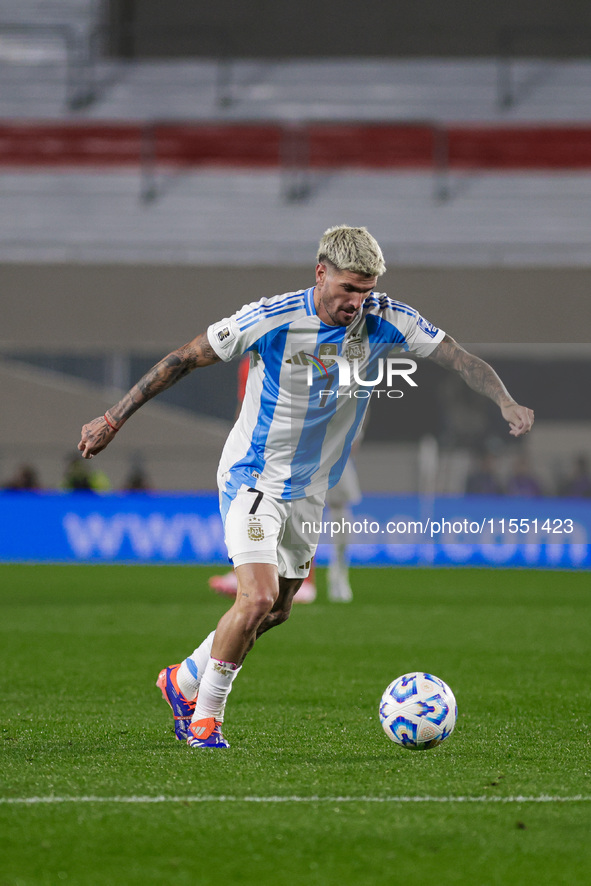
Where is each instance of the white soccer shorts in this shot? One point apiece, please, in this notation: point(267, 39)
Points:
point(262, 529)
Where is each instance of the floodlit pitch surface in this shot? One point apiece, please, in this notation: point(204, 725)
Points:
point(96, 790)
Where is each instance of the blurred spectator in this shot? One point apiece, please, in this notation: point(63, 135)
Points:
point(79, 478)
point(523, 481)
point(483, 480)
point(578, 484)
point(25, 477)
point(136, 481)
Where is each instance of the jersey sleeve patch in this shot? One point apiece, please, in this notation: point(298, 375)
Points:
point(223, 338)
point(223, 334)
point(428, 328)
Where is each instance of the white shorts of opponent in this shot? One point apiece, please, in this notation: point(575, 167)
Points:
point(347, 491)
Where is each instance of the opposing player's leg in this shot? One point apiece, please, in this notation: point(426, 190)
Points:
point(339, 587)
point(339, 499)
point(226, 584)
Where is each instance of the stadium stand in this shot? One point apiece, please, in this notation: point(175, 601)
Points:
point(288, 143)
point(451, 162)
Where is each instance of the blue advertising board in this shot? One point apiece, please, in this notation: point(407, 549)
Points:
point(383, 530)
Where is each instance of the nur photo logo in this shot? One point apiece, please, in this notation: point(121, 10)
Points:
point(349, 378)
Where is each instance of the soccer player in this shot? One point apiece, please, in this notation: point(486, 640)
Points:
point(290, 444)
point(339, 500)
point(227, 584)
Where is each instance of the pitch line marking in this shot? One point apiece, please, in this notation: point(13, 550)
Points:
point(206, 798)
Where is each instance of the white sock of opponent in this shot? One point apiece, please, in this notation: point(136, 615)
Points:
point(192, 669)
point(338, 566)
point(214, 689)
point(339, 562)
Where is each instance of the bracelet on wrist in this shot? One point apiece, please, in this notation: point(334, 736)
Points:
point(110, 423)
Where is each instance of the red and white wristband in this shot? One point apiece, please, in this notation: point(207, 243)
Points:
point(111, 425)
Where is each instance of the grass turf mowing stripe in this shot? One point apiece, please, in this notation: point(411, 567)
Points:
point(543, 798)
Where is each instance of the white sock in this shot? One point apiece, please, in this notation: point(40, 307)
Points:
point(192, 669)
point(338, 567)
point(214, 689)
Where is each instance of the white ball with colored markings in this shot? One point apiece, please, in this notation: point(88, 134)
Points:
point(418, 711)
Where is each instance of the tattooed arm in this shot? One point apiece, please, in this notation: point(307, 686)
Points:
point(98, 433)
point(484, 380)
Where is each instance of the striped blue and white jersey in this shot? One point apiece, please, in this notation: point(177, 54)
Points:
point(300, 413)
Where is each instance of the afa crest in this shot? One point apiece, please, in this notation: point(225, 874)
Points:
point(255, 529)
point(354, 350)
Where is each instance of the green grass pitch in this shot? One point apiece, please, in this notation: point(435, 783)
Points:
point(311, 790)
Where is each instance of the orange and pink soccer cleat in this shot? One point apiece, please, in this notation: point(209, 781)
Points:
point(206, 733)
point(182, 708)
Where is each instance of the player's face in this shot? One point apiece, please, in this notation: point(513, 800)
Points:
point(338, 295)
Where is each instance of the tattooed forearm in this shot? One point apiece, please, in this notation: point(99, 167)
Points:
point(163, 375)
point(97, 434)
point(477, 374)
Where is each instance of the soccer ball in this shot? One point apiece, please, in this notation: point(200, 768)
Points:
point(418, 711)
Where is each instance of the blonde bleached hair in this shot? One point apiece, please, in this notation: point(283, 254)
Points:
point(351, 249)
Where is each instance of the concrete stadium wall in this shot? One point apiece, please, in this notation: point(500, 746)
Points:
point(42, 414)
point(86, 307)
